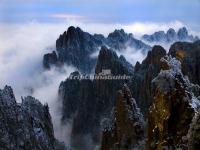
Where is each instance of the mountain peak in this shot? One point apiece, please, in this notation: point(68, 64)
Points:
point(170, 36)
point(74, 47)
point(118, 33)
point(182, 33)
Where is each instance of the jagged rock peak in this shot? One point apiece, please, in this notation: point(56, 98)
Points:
point(7, 96)
point(143, 75)
point(117, 33)
point(108, 60)
point(127, 127)
point(27, 125)
point(153, 56)
point(75, 47)
point(50, 59)
point(174, 106)
point(89, 101)
point(182, 33)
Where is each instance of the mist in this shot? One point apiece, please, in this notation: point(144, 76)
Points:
point(132, 55)
point(22, 47)
point(21, 52)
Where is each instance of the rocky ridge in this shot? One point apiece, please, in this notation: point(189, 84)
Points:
point(75, 47)
point(27, 125)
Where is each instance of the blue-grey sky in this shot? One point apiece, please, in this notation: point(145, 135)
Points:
point(104, 11)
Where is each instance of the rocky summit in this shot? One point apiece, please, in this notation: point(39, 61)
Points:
point(25, 126)
point(144, 73)
point(75, 47)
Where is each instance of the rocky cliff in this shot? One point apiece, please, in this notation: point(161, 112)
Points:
point(173, 109)
point(144, 73)
point(173, 115)
point(25, 126)
point(88, 101)
point(75, 47)
point(173, 99)
point(126, 130)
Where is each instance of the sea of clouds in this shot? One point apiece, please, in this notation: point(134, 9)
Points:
point(22, 47)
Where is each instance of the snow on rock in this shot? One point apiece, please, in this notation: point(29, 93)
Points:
point(174, 107)
point(27, 125)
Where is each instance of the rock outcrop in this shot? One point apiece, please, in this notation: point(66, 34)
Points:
point(173, 109)
point(189, 55)
point(75, 47)
point(108, 60)
point(144, 73)
point(126, 130)
point(170, 36)
point(50, 59)
point(87, 101)
point(25, 126)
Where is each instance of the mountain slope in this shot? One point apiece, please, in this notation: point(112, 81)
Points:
point(126, 129)
point(173, 108)
point(75, 47)
point(88, 101)
point(27, 125)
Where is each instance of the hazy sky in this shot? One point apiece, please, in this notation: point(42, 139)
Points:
point(103, 11)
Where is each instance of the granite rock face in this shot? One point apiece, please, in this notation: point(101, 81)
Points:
point(173, 117)
point(144, 73)
point(173, 109)
point(88, 101)
point(126, 130)
point(25, 126)
point(170, 36)
point(75, 47)
point(189, 55)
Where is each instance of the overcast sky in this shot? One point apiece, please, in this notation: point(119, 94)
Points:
point(103, 11)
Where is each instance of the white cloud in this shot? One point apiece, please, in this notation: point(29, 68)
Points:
point(22, 47)
point(137, 28)
point(21, 53)
point(132, 55)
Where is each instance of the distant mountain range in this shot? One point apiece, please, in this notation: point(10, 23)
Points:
point(170, 36)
